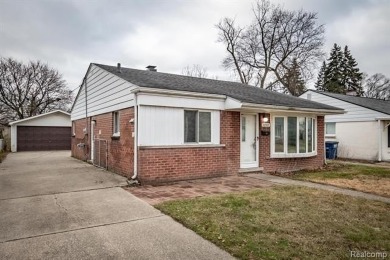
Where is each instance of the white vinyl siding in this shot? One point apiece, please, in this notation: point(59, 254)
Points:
point(354, 113)
point(106, 93)
point(165, 126)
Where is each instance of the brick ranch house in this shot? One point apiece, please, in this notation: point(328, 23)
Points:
point(159, 127)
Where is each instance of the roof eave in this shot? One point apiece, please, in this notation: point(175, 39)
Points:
point(38, 116)
point(273, 108)
point(175, 92)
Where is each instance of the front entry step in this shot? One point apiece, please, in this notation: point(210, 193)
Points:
point(251, 170)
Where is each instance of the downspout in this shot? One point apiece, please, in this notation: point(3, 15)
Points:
point(324, 130)
point(379, 141)
point(135, 138)
point(86, 117)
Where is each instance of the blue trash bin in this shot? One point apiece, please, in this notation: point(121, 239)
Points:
point(331, 149)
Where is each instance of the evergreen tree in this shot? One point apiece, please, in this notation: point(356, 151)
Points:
point(352, 77)
point(295, 83)
point(333, 73)
point(319, 85)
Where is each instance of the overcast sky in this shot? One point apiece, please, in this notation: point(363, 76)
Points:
point(70, 34)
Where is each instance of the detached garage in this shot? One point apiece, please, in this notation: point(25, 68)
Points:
point(46, 132)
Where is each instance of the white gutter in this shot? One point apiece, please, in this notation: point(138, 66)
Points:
point(268, 108)
point(135, 137)
point(170, 92)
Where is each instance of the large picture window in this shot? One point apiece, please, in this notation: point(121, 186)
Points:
point(197, 126)
point(293, 136)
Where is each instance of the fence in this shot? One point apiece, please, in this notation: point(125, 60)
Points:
point(100, 153)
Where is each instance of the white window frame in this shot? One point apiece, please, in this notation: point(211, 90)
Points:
point(330, 135)
point(197, 127)
point(116, 124)
point(285, 153)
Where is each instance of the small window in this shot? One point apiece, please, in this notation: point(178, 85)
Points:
point(292, 135)
point(330, 129)
point(243, 125)
point(204, 127)
point(279, 134)
point(310, 135)
point(116, 123)
point(197, 126)
point(302, 134)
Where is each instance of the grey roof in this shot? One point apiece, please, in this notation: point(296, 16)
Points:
point(239, 91)
point(378, 105)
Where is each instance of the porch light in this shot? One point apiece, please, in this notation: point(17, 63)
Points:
point(265, 119)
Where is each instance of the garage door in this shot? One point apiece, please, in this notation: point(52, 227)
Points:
point(43, 138)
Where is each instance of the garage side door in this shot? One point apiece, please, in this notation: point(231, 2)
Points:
point(43, 138)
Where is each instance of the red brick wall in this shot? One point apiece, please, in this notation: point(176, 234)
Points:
point(81, 153)
point(120, 151)
point(292, 164)
point(169, 164)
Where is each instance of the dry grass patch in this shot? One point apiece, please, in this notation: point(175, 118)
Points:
point(370, 179)
point(287, 223)
point(2, 156)
point(362, 184)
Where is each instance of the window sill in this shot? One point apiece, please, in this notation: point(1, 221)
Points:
point(330, 136)
point(183, 146)
point(305, 155)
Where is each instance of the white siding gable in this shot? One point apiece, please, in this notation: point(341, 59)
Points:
point(105, 93)
point(354, 113)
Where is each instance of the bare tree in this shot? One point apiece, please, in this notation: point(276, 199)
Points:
point(377, 86)
point(195, 70)
point(262, 53)
point(30, 89)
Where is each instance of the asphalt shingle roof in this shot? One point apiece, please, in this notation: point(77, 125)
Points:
point(239, 91)
point(378, 105)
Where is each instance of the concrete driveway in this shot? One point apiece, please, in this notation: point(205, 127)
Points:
point(55, 207)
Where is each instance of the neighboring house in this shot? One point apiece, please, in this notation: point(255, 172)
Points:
point(160, 127)
point(49, 131)
point(363, 131)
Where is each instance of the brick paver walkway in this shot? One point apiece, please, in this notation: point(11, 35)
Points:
point(197, 188)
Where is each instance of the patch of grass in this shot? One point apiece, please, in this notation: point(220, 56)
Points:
point(371, 179)
point(286, 223)
point(338, 170)
point(2, 156)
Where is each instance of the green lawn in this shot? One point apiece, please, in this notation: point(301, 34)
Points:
point(371, 179)
point(286, 223)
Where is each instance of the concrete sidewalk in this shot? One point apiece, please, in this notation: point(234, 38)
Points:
point(285, 181)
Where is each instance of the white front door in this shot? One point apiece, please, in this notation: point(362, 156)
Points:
point(249, 141)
